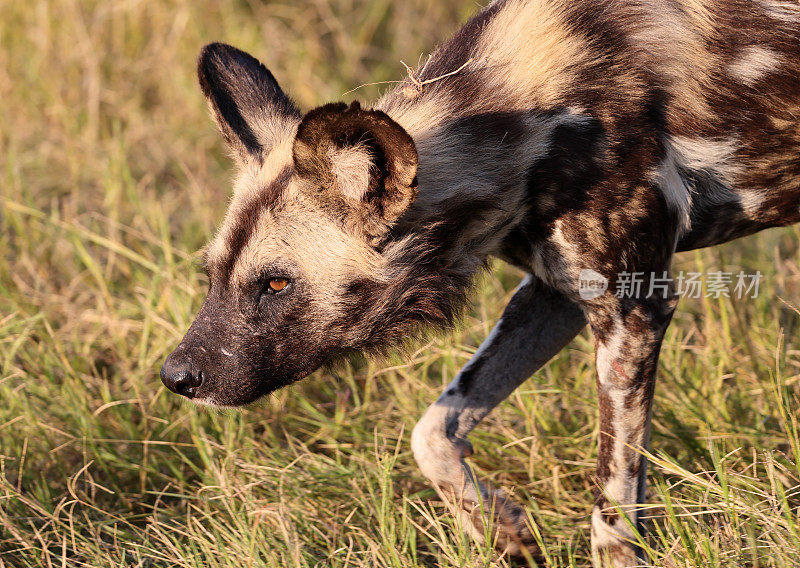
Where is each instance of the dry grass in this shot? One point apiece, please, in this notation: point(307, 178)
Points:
point(113, 177)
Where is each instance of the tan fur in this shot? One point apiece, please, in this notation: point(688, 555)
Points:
point(541, 67)
point(302, 233)
point(251, 177)
point(293, 230)
point(671, 36)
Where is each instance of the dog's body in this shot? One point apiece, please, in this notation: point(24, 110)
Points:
point(561, 136)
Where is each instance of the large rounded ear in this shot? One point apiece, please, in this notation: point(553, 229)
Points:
point(359, 162)
point(245, 100)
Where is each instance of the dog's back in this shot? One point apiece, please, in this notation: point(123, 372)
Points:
point(703, 95)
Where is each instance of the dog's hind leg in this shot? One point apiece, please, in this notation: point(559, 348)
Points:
point(537, 323)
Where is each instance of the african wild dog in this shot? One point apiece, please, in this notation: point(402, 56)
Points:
point(558, 135)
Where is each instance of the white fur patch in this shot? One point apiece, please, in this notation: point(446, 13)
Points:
point(351, 167)
point(437, 456)
point(783, 10)
point(564, 273)
point(716, 155)
point(606, 352)
point(604, 535)
point(718, 158)
point(673, 186)
point(751, 201)
point(753, 63)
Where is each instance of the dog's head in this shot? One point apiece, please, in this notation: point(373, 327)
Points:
point(297, 268)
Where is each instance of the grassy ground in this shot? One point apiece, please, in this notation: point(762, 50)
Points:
point(112, 177)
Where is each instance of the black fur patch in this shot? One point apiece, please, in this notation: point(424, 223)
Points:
point(422, 291)
point(558, 184)
point(247, 347)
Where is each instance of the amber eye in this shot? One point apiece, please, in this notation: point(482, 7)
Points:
point(277, 284)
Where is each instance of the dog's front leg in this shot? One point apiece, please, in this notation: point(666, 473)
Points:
point(628, 335)
point(537, 323)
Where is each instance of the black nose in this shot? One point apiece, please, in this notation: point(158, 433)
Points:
point(180, 378)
